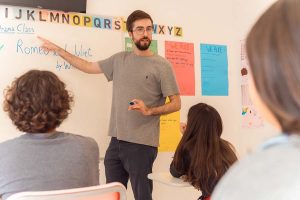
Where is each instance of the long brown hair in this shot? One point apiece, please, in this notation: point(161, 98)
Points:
point(201, 154)
point(273, 49)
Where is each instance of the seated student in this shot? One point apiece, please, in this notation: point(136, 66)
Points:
point(44, 158)
point(201, 155)
point(273, 49)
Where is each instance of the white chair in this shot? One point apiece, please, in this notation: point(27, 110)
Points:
point(110, 191)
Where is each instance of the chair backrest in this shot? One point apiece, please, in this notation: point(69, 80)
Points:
point(110, 191)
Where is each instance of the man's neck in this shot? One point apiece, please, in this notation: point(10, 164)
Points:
point(138, 52)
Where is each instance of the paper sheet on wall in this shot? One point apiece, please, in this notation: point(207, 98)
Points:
point(169, 132)
point(181, 56)
point(250, 117)
point(129, 45)
point(214, 70)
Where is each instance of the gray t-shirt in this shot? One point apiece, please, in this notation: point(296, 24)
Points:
point(37, 162)
point(150, 79)
point(270, 174)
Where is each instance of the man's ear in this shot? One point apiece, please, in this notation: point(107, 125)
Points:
point(130, 34)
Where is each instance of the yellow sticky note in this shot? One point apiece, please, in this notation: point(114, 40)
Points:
point(169, 132)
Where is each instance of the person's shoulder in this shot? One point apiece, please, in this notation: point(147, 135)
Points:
point(260, 171)
point(160, 59)
point(7, 145)
point(117, 56)
point(294, 140)
point(261, 160)
point(235, 179)
point(82, 139)
point(10, 141)
point(122, 54)
point(161, 62)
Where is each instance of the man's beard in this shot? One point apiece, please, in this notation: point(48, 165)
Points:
point(143, 47)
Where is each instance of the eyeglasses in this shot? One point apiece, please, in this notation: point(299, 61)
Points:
point(141, 30)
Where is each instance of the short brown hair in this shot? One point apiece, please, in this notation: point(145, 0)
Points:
point(136, 15)
point(273, 48)
point(37, 102)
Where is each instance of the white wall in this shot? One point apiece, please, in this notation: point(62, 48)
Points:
point(216, 22)
point(245, 14)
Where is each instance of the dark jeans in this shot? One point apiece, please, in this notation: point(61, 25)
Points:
point(124, 160)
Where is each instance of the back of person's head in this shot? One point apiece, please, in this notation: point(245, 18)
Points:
point(208, 155)
point(273, 49)
point(37, 102)
point(134, 16)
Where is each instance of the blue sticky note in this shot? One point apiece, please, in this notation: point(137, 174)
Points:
point(214, 70)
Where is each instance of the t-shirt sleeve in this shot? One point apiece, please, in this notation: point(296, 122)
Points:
point(168, 81)
point(107, 67)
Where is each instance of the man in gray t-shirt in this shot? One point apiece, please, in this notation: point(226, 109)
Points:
point(152, 81)
point(141, 83)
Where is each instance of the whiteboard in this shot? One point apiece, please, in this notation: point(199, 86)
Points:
point(20, 51)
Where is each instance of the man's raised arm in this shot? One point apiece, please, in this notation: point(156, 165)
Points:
point(79, 63)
